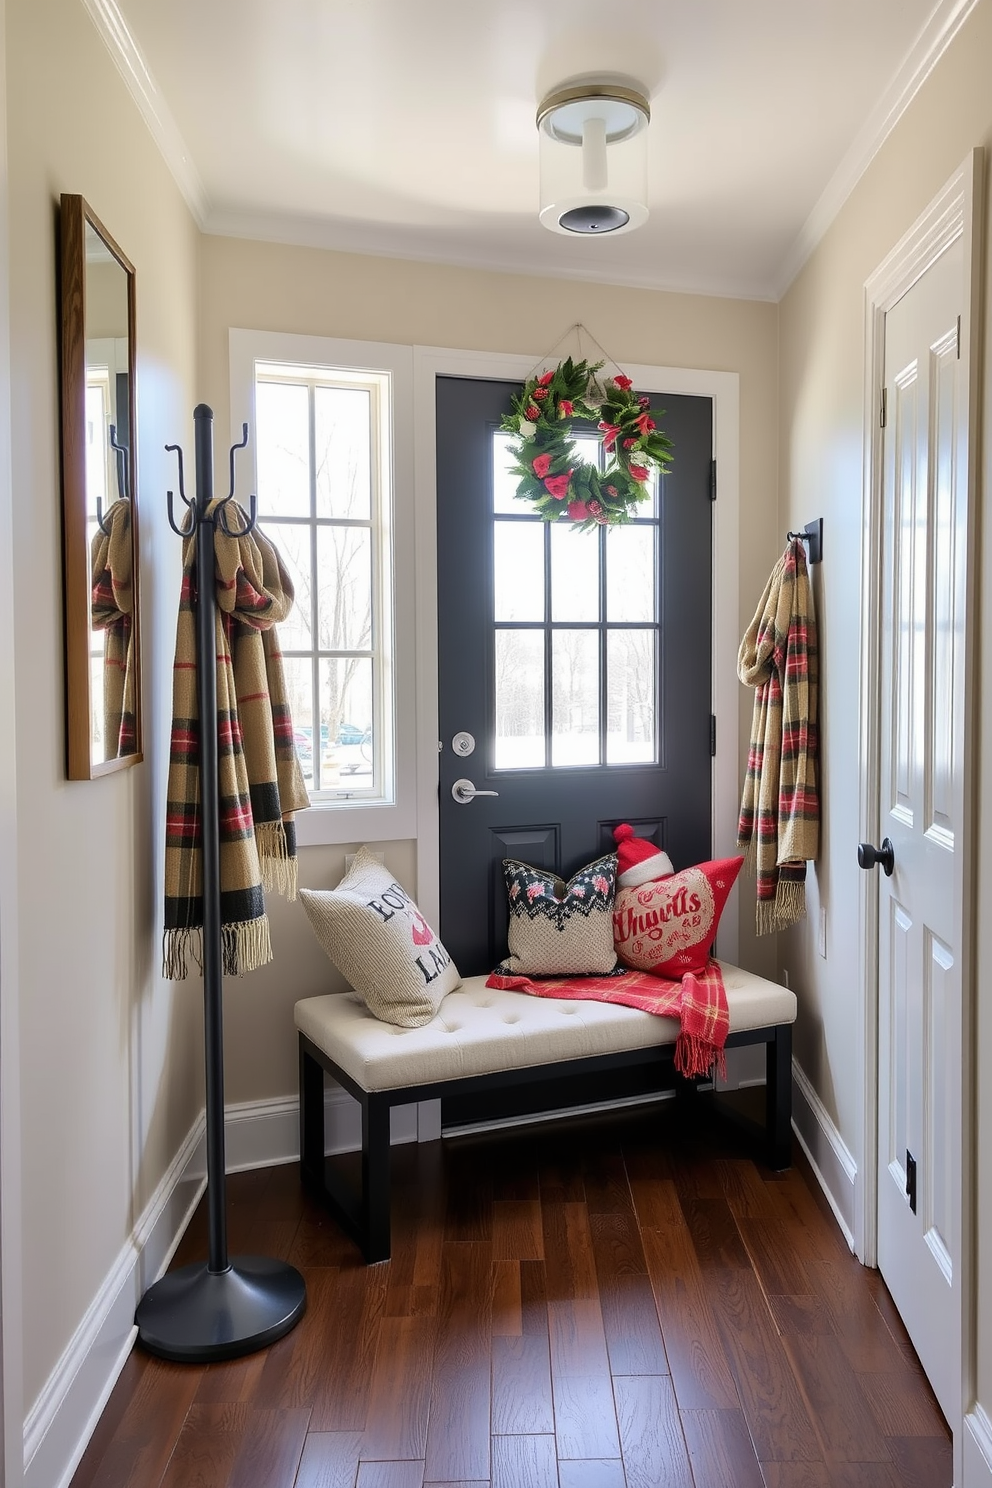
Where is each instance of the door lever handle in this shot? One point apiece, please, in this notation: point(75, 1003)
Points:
point(464, 791)
point(885, 855)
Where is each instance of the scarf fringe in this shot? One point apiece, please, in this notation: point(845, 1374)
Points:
point(279, 867)
point(749, 848)
point(177, 947)
point(244, 947)
point(787, 908)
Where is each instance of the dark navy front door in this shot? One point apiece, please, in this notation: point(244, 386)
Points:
point(574, 668)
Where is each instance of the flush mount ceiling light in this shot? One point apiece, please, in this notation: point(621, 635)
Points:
point(594, 158)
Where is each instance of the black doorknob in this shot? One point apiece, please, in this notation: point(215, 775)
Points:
point(868, 856)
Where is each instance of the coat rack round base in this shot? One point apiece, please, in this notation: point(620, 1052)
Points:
point(195, 1315)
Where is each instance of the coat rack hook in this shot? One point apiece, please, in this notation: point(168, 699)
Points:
point(249, 524)
point(182, 484)
point(121, 450)
point(234, 448)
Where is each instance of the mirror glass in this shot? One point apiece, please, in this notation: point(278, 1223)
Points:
point(99, 511)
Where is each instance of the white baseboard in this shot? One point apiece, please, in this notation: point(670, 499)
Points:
point(977, 1454)
point(257, 1134)
point(61, 1421)
point(830, 1159)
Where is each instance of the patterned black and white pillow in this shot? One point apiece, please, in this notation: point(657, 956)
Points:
point(559, 929)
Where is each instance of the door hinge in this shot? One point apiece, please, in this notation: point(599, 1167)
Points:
point(911, 1179)
point(712, 480)
point(712, 734)
point(883, 415)
point(959, 338)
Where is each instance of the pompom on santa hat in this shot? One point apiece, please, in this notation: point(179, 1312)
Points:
point(638, 861)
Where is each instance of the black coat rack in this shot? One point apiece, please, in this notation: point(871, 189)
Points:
point(223, 1308)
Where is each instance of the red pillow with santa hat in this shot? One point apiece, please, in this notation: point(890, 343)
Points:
point(666, 922)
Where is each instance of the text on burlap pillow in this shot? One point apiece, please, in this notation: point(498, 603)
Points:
point(382, 945)
point(559, 929)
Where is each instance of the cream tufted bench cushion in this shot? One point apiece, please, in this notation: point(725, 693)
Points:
point(482, 1038)
point(478, 1030)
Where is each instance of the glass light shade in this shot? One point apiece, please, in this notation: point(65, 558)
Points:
point(593, 166)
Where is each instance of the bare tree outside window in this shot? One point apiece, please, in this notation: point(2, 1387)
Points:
point(319, 433)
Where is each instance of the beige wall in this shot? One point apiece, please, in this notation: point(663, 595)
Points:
point(822, 341)
point(110, 1073)
point(269, 287)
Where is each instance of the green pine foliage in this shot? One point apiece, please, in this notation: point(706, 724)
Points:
point(552, 477)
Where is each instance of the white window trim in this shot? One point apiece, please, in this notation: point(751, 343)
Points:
point(431, 362)
point(328, 821)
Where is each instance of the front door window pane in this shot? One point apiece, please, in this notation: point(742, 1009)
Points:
point(504, 482)
point(631, 691)
point(574, 573)
point(575, 697)
point(631, 588)
point(518, 570)
point(519, 658)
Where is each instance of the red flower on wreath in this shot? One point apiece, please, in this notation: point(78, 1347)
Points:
point(629, 443)
point(543, 381)
point(645, 423)
point(644, 402)
point(539, 394)
point(558, 485)
point(622, 382)
point(578, 511)
point(533, 412)
point(565, 409)
point(541, 464)
point(610, 432)
point(639, 472)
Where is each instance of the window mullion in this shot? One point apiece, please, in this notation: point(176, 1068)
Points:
point(314, 616)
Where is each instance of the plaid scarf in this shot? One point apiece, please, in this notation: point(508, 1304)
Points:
point(698, 1001)
point(261, 784)
point(112, 611)
point(780, 809)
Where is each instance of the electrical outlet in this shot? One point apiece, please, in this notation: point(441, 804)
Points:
point(821, 938)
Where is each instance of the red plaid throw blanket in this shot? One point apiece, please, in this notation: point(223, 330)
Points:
point(780, 809)
point(698, 1002)
point(261, 784)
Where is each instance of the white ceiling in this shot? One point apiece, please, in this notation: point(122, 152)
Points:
point(406, 127)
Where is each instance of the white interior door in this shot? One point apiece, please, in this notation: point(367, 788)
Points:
point(922, 777)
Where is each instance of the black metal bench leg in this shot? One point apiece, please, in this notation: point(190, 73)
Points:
point(311, 1120)
point(375, 1177)
point(778, 1097)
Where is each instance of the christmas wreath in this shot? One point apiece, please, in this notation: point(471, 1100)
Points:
point(552, 477)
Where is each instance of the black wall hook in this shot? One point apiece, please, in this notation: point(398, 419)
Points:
point(812, 535)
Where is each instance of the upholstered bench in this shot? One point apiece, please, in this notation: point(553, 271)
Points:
point(483, 1039)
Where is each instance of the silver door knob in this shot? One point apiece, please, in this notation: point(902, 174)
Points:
point(464, 791)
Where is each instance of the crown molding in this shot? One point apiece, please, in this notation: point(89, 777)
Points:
point(362, 238)
point(129, 59)
point(944, 23)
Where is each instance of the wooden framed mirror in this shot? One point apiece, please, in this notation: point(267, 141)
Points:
point(99, 507)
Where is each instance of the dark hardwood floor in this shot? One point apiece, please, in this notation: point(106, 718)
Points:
point(625, 1300)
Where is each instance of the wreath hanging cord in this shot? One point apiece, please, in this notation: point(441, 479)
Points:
point(551, 475)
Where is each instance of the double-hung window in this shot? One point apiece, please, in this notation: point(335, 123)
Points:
point(324, 435)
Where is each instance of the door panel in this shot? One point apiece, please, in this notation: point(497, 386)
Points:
point(922, 756)
point(579, 662)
